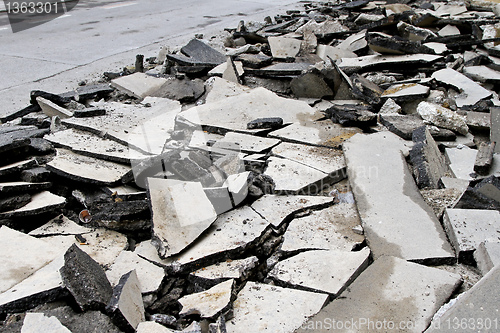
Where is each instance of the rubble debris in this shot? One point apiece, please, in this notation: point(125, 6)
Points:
point(150, 275)
point(326, 229)
point(310, 85)
point(428, 163)
point(175, 224)
point(23, 256)
point(197, 53)
point(306, 270)
point(495, 127)
point(237, 186)
point(352, 115)
point(278, 208)
point(40, 203)
point(367, 157)
point(487, 256)
point(405, 125)
point(246, 143)
point(241, 228)
point(461, 163)
point(152, 327)
point(96, 171)
point(44, 285)
point(210, 303)
point(442, 117)
point(406, 92)
point(390, 107)
point(126, 306)
point(254, 60)
point(52, 109)
point(184, 91)
point(138, 85)
point(261, 306)
point(471, 92)
point(305, 179)
point(34, 322)
point(484, 158)
point(85, 280)
point(261, 123)
point(481, 301)
point(229, 269)
point(35, 175)
point(351, 65)
point(467, 228)
point(420, 292)
point(283, 48)
point(327, 160)
point(15, 167)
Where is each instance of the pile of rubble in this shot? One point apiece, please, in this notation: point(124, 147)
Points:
point(331, 168)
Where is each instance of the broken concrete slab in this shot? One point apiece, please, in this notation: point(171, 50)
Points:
point(326, 52)
point(467, 228)
point(145, 128)
point(36, 322)
point(350, 115)
point(17, 167)
point(406, 92)
point(59, 225)
point(365, 89)
point(350, 65)
point(237, 185)
point(482, 74)
point(101, 245)
point(383, 44)
point(88, 144)
point(197, 53)
point(184, 91)
point(293, 177)
point(209, 303)
point(52, 109)
point(229, 269)
point(96, 171)
point(278, 208)
point(471, 92)
point(218, 88)
point(175, 224)
point(283, 47)
point(317, 133)
point(40, 203)
point(477, 306)
point(20, 187)
point(85, 280)
point(310, 85)
point(461, 163)
point(240, 228)
point(414, 33)
point(327, 229)
point(232, 72)
point(327, 160)
point(278, 70)
point(487, 256)
point(235, 112)
point(264, 307)
point(389, 292)
point(254, 60)
point(405, 125)
point(126, 306)
point(44, 285)
point(442, 117)
point(390, 107)
point(89, 112)
point(392, 226)
point(479, 121)
point(246, 143)
point(429, 164)
point(309, 270)
point(150, 275)
point(14, 202)
point(138, 85)
point(484, 158)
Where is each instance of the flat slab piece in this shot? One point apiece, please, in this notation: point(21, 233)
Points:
point(40, 203)
point(138, 85)
point(393, 292)
point(396, 219)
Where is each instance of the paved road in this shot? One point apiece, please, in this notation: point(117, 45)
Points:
point(104, 35)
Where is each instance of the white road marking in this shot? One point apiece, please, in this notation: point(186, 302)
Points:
point(125, 4)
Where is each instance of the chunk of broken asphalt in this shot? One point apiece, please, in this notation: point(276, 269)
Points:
point(198, 53)
point(126, 306)
point(261, 123)
point(85, 280)
point(352, 115)
point(484, 158)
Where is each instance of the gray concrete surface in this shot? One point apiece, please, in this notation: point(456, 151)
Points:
point(105, 35)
